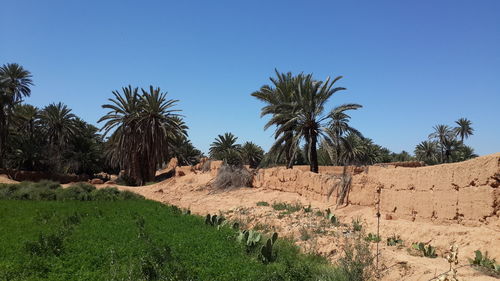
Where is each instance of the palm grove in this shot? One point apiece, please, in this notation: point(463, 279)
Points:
point(143, 128)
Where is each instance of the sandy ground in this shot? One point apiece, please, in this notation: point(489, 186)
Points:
point(314, 233)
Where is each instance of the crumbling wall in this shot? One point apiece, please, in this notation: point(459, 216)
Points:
point(466, 191)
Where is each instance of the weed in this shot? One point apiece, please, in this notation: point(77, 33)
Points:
point(288, 208)
point(394, 240)
point(262, 203)
point(356, 224)
point(372, 238)
point(357, 260)
point(485, 264)
point(319, 213)
point(304, 234)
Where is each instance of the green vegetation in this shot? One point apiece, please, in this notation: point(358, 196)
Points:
point(287, 208)
point(144, 126)
point(446, 144)
point(484, 264)
point(262, 203)
point(394, 240)
point(297, 106)
point(424, 250)
point(356, 224)
point(225, 148)
point(373, 238)
point(332, 218)
point(82, 237)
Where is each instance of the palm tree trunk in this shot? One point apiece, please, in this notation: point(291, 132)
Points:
point(313, 154)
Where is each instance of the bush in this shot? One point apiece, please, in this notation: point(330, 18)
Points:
point(357, 260)
point(43, 190)
point(233, 176)
point(106, 194)
point(49, 191)
point(78, 191)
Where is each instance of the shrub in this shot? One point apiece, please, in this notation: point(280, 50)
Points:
point(262, 203)
point(357, 260)
point(106, 194)
point(233, 176)
point(79, 191)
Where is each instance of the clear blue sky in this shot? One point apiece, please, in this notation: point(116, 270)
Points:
point(411, 64)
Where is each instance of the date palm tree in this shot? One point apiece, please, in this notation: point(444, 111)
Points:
point(444, 137)
point(145, 126)
point(58, 123)
point(278, 96)
point(252, 154)
point(338, 128)
point(308, 113)
point(224, 146)
point(427, 151)
point(464, 129)
point(15, 84)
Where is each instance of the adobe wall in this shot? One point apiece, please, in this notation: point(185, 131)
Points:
point(466, 191)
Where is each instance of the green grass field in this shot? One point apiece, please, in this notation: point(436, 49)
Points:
point(133, 239)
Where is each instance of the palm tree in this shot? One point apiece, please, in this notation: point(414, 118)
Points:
point(145, 127)
point(464, 129)
point(338, 128)
point(59, 126)
point(444, 136)
point(252, 154)
point(15, 84)
point(427, 151)
point(159, 123)
point(277, 96)
point(225, 147)
point(308, 112)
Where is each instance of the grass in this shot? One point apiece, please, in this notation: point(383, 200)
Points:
point(262, 203)
point(287, 208)
point(91, 237)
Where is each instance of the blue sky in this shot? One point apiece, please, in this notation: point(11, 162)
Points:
point(411, 64)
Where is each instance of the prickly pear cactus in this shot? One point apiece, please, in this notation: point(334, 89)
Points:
point(266, 253)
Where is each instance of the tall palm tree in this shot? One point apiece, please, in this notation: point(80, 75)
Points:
point(338, 128)
point(159, 123)
point(252, 154)
point(308, 112)
point(15, 84)
point(427, 151)
point(464, 128)
point(224, 146)
point(144, 128)
point(276, 96)
point(59, 126)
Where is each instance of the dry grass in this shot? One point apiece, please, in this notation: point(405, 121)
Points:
point(233, 176)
